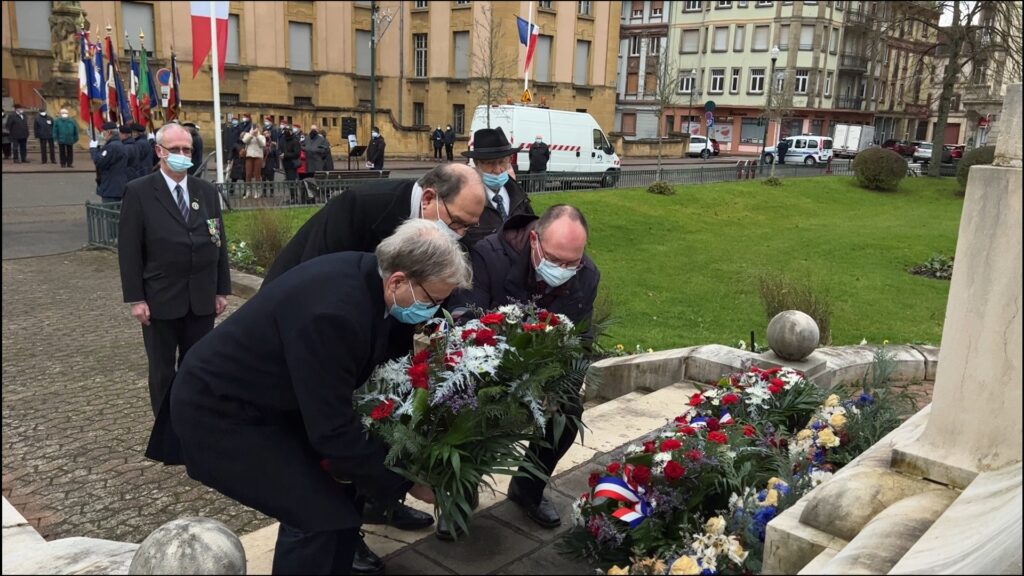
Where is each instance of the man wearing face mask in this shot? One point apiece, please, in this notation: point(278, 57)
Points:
point(17, 131)
point(43, 127)
point(65, 132)
point(539, 259)
point(449, 142)
point(492, 155)
point(174, 258)
point(111, 162)
point(375, 151)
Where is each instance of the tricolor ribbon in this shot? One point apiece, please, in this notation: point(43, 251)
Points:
point(702, 422)
point(617, 489)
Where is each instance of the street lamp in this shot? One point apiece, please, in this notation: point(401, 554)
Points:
point(771, 81)
point(693, 87)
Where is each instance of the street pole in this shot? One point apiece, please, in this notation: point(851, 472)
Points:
point(373, 64)
point(689, 113)
point(768, 108)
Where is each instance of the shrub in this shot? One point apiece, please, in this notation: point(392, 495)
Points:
point(983, 155)
point(779, 293)
point(938, 266)
point(772, 181)
point(879, 169)
point(662, 188)
point(268, 234)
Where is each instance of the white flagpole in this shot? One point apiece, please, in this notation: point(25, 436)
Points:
point(214, 59)
point(529, 38)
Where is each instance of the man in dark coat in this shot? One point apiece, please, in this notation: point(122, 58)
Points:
point(197, 149)
point(492, 155)
point(263, 406)
point(17, 131)
point(536, 259)
point(375, 151)
point(144, 149)
point(134, 167)
point(437, 139)
point(782, 148)
point(111, 164)
point(43, 127)
point(290, 151)
point(449, 143)
point(174, 258)
point(317, 151)
point(540, 154)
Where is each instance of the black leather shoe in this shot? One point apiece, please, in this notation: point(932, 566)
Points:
point(543, 513)
point(446, 532)
point(402, 517)
point(365, 561)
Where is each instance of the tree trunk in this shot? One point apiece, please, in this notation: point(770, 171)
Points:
point(948, 84)
point(658, 132)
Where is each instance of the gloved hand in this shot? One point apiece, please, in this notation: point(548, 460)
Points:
point(150, 136)
point(94, 144)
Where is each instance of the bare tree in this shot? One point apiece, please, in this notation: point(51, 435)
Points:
point(779, 105)
point(494, 65)
point(665, 93)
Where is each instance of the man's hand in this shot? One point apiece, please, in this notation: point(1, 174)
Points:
point(222, 304)
point(94, 144)
point(422, 493)
point(140, 310)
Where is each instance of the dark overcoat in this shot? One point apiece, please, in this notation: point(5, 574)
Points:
point(490, 219)
point(111, 162)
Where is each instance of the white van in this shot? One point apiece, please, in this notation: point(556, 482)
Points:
point(575, 140)
point(806, 148)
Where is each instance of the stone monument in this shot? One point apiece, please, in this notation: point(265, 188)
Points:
point(193, 545)
point(61, 90)
point(942, 493)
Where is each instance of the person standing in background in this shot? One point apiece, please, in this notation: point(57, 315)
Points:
point(437, 138)
point(375, 151)
point(449, 143)
point(43, 127)
point(17, 128)
point(65, 132)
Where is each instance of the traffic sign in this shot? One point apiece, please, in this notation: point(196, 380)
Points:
point(710, 118)
point(709, 105)
point(527, 98)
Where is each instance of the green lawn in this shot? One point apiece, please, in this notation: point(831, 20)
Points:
point(682, 270)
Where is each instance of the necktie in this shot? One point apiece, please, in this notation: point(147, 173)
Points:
point(499, 203)
point(182, 206)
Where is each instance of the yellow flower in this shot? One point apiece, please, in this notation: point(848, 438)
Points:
point(837, 420)
point(827, 439)
point(684, 565)
point(620, 347)
point(885, 342)
point(774, 483)
point(649, 350)
point(771, 498)
point(617, 570)
point(803, 435)
point(715, 526)
point(736, 552)
point(831, 401)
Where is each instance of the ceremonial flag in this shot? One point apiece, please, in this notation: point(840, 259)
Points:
point(133, 89)
point(117, 100)
point(201, 39)
point(85, 79)
point(174, 99)
point(98, 90)
point(528, 33)
point(145, 93)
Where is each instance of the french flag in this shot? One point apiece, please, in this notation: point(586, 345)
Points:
point(84, 78)
point(528, 33)
point(201, 41)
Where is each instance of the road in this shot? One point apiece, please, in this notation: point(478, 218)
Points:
point(44, 213)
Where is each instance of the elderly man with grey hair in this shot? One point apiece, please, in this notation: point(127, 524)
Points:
point(263, 405)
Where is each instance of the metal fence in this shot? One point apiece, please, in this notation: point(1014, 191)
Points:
point(251, 195)
point(101, 222)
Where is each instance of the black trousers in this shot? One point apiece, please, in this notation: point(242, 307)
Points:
point(532, 488)
point(448, 151)
point(21, 149)
point(67, 154)
point(7, 150)
point(437, 152)
point(167, 342)
point(301, 552)
point(47, 144)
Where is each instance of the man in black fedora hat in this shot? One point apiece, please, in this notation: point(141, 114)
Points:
point(492, 156)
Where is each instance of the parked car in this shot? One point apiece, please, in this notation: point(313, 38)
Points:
point(956, 151)
point(717, 148)
point(807, 149)
point(700, 146)
point(923, 154)
point(901, 147)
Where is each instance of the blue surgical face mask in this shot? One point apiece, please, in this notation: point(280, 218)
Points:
point(442, 226)
point(495, 182)
point(178, 162)
point(375, 134)
point(552, 274)
point(414, 314)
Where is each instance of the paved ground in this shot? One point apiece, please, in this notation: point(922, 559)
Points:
point(76, 413)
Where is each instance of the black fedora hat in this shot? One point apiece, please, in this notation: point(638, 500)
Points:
point(490, 144)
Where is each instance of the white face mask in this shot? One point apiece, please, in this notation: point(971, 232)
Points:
point(63, 114)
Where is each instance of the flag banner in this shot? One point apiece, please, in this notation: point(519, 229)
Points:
point(201, 40)
point(146, 94)
point(528, 33)
point(117, 99)
point(174, 99)
point(85, 78)
point(98, 88)
point(133, 88)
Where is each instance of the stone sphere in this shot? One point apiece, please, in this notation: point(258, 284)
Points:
point(192, 545)
point(793, 335)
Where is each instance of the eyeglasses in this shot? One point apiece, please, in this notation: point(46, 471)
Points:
point(575, 265)
point(433, 301)
point(178, 150)
point(499, 165)
point(456, 224)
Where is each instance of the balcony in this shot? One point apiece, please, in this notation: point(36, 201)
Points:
point(979, 93)
point(853, 62)
point(847, 103)
point(858, 18)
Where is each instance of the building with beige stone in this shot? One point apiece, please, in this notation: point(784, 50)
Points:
point(309, 62)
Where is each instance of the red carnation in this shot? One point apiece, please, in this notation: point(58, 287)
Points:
point(687, 430)
point(773, 371)
point(614, 468)
point(548, 318)
point(527, 327)
point(682, 420)
point(694, 455)
point(495, 318)
point(594, 477)
point(649, 447)
point(674, 471)
point(749, 430)
point(453, 358)
point(485, 337)
point(696, 399)
point(419, 373)
point(670, 444)
point(383, 410)
point(641, 474)
point(775, 386)
point(730, 399)
point(469, 333)
point(718, 437)
point(421, 357)
point(713, 424)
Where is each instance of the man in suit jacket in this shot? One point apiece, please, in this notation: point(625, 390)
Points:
point(263, 405)
point(174, 258)
point(111, 162)
point(358, 219)
point(492, 155)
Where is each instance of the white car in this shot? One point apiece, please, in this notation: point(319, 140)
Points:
point(807, 149)
point(923, 154)
point(700, 146)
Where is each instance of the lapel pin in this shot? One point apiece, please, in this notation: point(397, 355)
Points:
point(195, 205)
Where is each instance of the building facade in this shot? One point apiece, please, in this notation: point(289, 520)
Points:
point(309, 62)
point(643, 42)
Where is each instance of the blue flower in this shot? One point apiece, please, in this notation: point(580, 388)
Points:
point(865, 399)
point(782, 488)
point(707, 572)
point(761, 519)
point(762, 495)
point(819, 456)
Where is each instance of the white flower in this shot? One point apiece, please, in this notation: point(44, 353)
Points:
point(513, 313)
point(715, 525)
point(634, 449)
point(818, 476)
point(577, 512)
point(564, 323)
point(735, 502)
point(662, 457)
point(736, 552)
point(863, 341)
point(742, 345)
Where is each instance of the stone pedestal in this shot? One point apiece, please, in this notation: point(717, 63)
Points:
point(811, 366)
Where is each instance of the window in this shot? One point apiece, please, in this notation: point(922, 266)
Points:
point(717, 81)
point(670, 123)
point(801, 81)
point(585, 7)
point(461, 48)
point(459, 118)
point(784, 37)
point(363, 52)
point(232, 52)
point(722, 4)
point(300, 46)
point(828, 85)
point(581, 66)
point(742, 3)
point(634, 45)
point(462, 3)
point(542, 59)
point(721, 43)
point(638, 12)
point(656, 7)
point(651, 84)
point(760, 41)
point(691, 42)
point(421, 4)
point(231, 99)
point(419, 47)
point(764, 3)
point(751, 131)
point(629, 124)
point(780, 81)
point(686, 83)
point(33, 25)
point(807, 37)
point(691, 6)
point(545, 5)
point(737, 41)
point(632, 81)
point(734, 83)
point(655, 45)
point(135, 16)
point(833, 40)
point(417, 114)
point(756, 80)
point(302, 101)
